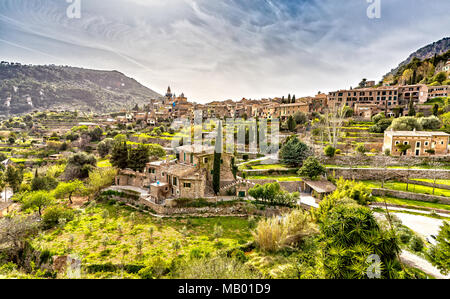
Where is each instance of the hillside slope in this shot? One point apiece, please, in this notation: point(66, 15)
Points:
point(24, 88)
point(429, 51)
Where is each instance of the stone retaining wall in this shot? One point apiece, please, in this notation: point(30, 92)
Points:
point(377, 160)
point(411, 196)
point(369, 174)
point(239, 209)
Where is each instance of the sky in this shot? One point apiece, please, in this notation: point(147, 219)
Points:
point(224, 49)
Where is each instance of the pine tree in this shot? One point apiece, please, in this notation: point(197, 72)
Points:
point(217, 160)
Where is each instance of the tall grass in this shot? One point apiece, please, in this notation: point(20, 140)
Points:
point(278, 233)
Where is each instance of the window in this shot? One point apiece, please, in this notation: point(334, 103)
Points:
point(426, 143)
point(187, 185)
point(406, 143)
point(397, 142)
point(205, 160)
point(175, 181)
point(418, 144)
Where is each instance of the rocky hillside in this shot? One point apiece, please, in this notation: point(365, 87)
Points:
point(24, 88)
point(429, 51)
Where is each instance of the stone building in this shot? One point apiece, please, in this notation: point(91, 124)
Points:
point(420, 142)
point(189, 176)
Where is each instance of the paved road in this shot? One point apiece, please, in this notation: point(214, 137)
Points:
point(415, 261)
point(423, 225)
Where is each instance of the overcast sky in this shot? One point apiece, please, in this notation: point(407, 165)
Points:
point(224, 49)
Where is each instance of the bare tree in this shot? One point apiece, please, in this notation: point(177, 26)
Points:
point(15, 230)
point(384, 162)
point(333, 120)
point(435, 166)
point(409, 162)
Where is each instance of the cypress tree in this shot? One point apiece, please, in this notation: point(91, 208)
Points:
point(217, 159)
point(412, 111)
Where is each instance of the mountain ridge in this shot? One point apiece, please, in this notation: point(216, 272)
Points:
point(436, 48)
point(24, 88)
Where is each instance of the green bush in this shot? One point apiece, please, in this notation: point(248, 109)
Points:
point(330, 151)
point(416, 244)
point(53, 215)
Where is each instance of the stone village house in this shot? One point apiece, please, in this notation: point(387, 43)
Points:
point(189, 176)
point(420, 142)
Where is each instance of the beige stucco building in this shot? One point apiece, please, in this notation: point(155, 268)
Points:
point(420, 142)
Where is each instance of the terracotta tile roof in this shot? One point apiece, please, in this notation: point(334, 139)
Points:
point(321, 186)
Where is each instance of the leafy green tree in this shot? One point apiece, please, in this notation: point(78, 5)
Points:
point(300, 118)
point(294, 152)
point(14, 177)
point(381, 126)
point(156, 151)
point(79, 165)
point(312, 169)
point(46, 183)
point(120, 138)
point(403, 148)
point(430, 123)
point(104, 147)
point(119, 155)
point(446, 121)
point(273, 194)
point(356, 191)
point(138, 157)
point(440, 77)
point(406, 123)
point(439, 254)
point(329, 151)
point(37, 200)
point(378, 117)
point(69, 189)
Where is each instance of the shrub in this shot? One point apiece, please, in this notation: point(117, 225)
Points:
point(405, 236)
point(53, 215)
point(350, 234)
point(216, 268)
point(330, 151)
point(416, 244)
point(276, 233)
point(239, 255)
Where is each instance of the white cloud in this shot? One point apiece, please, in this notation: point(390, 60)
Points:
point(225, 49)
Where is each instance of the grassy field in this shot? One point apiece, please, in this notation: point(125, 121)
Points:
point(114, 234)
point(446, 167)
point(441, 182)
point(412, 203)
point(412, 188)
point(283, 178)
point(269, 166)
